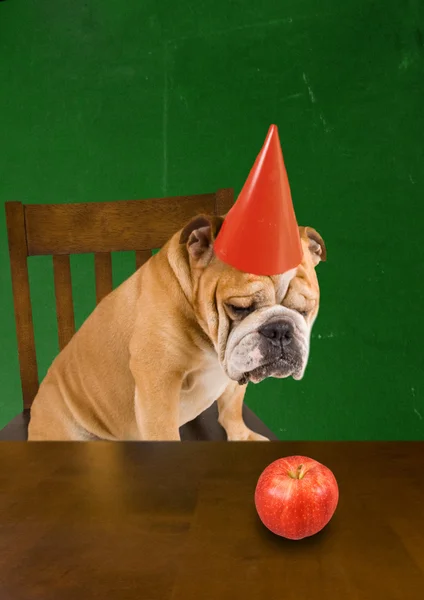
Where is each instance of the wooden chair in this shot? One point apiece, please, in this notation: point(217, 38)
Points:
point(100, 228)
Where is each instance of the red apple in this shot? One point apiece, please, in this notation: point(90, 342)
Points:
point(296, 497)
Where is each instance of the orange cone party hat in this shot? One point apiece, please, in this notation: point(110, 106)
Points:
point(260, 233)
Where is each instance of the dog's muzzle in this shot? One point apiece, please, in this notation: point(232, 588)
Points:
point(277, 347)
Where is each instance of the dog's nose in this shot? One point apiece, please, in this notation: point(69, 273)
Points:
point(280, 332)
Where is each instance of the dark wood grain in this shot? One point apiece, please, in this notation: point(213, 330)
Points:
point(103, 273)
point(95, 227)
point(110, 226)
point(64, 303)
point(141, 257)
point(224, 200)
point(176, 521)
point(15, 220)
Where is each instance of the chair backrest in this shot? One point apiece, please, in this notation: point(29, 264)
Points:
point(60, 230)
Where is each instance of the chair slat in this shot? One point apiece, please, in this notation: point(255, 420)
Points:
point(15, 219)
point(64, 303)
point(109, 226)
point(141, 257)
point(103, 270)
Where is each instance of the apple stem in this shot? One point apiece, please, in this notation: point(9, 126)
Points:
point(298, 474)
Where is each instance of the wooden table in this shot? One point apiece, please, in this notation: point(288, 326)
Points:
point(155, 521)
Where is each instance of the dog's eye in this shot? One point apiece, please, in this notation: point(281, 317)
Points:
point(240, 311)
point(304, 313)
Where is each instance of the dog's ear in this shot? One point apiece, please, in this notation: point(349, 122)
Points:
point(199, 234)
point(315, 243)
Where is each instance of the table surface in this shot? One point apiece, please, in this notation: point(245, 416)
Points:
point(156, 521)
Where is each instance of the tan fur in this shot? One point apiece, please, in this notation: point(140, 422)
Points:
point(151, 356)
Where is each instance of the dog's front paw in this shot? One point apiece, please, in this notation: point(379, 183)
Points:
point(257, 437)
point(246, 435)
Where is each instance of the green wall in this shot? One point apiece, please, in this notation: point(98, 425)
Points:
point(105, 100)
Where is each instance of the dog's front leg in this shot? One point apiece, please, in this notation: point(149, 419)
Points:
point(230, 406)
point(157, 412)
point(156, 404)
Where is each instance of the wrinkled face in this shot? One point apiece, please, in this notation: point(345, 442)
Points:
point(260, 326)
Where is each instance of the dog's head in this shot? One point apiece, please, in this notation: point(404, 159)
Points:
point(260, 326)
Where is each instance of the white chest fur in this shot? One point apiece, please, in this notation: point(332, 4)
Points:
point(201, 388)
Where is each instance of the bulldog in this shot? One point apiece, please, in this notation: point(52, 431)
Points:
point(184, 331)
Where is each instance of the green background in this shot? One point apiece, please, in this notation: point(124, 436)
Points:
point(105, 100)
